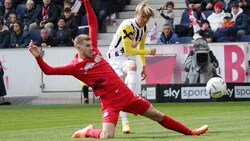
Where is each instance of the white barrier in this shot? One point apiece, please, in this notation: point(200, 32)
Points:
point(23, 76)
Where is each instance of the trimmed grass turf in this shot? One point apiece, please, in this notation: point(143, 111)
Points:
point(228, 121)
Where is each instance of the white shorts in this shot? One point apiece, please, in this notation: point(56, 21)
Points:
point(119, 62)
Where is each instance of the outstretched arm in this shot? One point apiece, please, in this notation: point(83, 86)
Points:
point(48, 70)
point(92, 22)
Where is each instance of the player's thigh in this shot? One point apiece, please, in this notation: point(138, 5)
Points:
point(116, 65)
point(108, 130)
point(110, 114)
point(137, 101)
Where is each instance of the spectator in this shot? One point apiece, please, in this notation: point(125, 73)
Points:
point(2, 86)
point(118, 5)
point(209, 4)
point(19, 38)
point(46, 40)
point(85, 91)
point(167, 35)
point(81, 12)
point(227, 32)
point(4, 35)
point(227, 21)
point(168, 15)
point(70, 21)
point(200, 63)
point(15, 3)
point(7, 9)
point(102, 8)
point(11, 20)
point(216, 18)
point(196, 5)
point(62, 34)
point(28, 15)
point(206, 32)
point(241, 20)
point(58, 3)
point(46, 16)
point(245, 5)
point(227, 5)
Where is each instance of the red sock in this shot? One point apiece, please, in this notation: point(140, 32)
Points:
point(175, 125)
point(95, 133)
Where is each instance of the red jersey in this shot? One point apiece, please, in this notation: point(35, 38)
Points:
point(95, 72)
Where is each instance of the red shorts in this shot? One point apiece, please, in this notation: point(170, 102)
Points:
point(122, 100)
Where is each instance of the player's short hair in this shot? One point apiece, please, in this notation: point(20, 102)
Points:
point(79, 40)
point(144, 8)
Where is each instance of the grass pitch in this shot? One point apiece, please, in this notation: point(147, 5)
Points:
point(228, 121)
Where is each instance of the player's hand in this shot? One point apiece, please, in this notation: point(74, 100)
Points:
point(209, 5)
point(153, 51)
point(33, 49)
point(143, 73)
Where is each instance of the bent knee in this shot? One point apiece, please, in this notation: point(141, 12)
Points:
point(131, 65)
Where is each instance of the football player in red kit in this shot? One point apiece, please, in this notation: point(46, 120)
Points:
point(89, 66)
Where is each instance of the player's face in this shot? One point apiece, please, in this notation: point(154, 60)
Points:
point(141, 19)
point(87, 50)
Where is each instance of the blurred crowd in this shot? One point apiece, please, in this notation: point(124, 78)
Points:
point(56, 22)
point(214, 20)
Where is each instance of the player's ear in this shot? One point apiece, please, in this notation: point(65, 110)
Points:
point(78, 47)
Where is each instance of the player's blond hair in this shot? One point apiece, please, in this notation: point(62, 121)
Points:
point(79, 40)
point(144, 8)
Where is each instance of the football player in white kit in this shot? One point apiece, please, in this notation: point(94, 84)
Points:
point(129, 41)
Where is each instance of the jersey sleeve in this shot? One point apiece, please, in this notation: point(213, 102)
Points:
point(92, 22)
point(48, 70)
point(141, 46)
point(127, 34)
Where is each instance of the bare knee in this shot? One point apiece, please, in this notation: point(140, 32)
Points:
point(108, 130)
point(107, 135)
point(131, 65)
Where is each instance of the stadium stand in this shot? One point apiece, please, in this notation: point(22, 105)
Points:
point(20, 8)
point(128, 12)
point(245, 38)
point(184, 40)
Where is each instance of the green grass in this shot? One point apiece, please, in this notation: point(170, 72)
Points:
point(228, 121)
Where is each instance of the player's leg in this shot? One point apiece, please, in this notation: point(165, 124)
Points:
point(147, 110)
point(171, 123)
point(85, 90)
point(109, 118)
point(130, 68)
point(108, 130)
